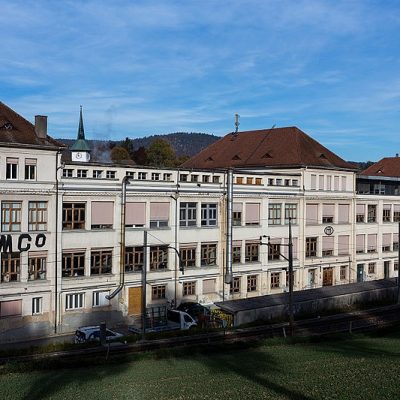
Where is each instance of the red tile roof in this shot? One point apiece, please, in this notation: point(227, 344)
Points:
point(278, 147)
point(16, 130)
point(388, 166)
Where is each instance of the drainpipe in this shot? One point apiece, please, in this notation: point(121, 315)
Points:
point(125, 181)
point(229, 215)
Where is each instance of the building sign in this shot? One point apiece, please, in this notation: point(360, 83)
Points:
point(24, 243)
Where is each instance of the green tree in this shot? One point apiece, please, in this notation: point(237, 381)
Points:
point(119, 154)
point(161, 154)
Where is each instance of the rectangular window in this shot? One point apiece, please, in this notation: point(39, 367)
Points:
point(344, 183)
point(37, 305)
point(311, 247)
point(155, 176)
point(249, 181)
point(135, 215)
point(252, 252)
point(371, 268)
point(343, 245)
point(11, 216)
point(74, 301)
point(11, 168)
point(208, 254)
point(73, 264)
point(252, 213)
point(188, 256)
point(30, 169)
point(371, 213)
point(343, 272)
point(311, 214)
point(208, 215)
point(194, 178)
point(97, 173)
point(188, 214)
point(133, 259)
point(183, 177)
point(100, 299)
point(372, 248)
point(395, 241)
point(102, 214)
point(158, 292)
point(252, 283)
point(11, 308)
point(327, 246)
point(313, 182)
point(360, 213)
point(295, 182)
point(274, 214)
point(236, 254)
point(189, 288)
point(343, 213)
point(329, 182)
point(10, 267)
point(37, 216)
point(360, 244)
point(237, 211)
point(275, 280)
point(68, 173)
point(259, 181)
point(158, 258)
point(274, 250)
point(36, 267)
point(235, 286)
point(278, 182)
point(396, 213)
point(81, 173)
point(336, 183)
point(386, 241)
point(290, 212)
point(74, 216)
point(328, 213)
point(142, 176)
point(396, 266)
point(167, 177)
point(321, 182)
point(159, 215)
point(130, 174)
point(206, 178)
point(270, 182)
point(101, 262)
point(386, 213)
point(110, 174)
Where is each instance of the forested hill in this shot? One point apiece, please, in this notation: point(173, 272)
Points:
point(184, 143)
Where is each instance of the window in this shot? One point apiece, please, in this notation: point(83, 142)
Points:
point(11, 168)
point(371, 268)
point(311, 247)
point(236, 254)
point(10, 308)
point(287, 182)
point(37, 216)
point(135, 215)
point(206, 178)
point(208, 215)
point(327, 246)
point(194, 178)
point(311, 214)
point(235, 286)
point(386, 213)
point(155, 176)
point(208, 254)
point(336, 183)
point(274, 214)
point(209, 286)
point(188, 214)
point(167, 177)
point(36, 267)
point(11, 216)
point(183, 177)
point(258, 181)
point(396, 266)
point(252, 283)
point(73, 264)
point(142, 176)
point(252, 214)
point(133, 259)
point(74, 301)
point(328, 212)
point(189, 288)
point(101, 262)
point(274, 251)
point(291, 212)
point(386, 241)
point(30, 169)
point(10, 267)
point(158, 292)
point(216, 179)
point(275, 280)
point(343, 245)
point(270, 182)
point(237, 211)
point(100, 298)
point(130, 174)
point(343, 213)
point(396, 213)
point(343, 272)
point(321, 182)
point(67, 173)
point(252, 251)
point(159, 215)
point(313, 182)
point(81, 173)
point(344, 183)
point(188, 256)
point(74, 216)
point(295, 182)
point(372, 243)
point(360, 244)
point(329, 182)
point(110, 174)
point(395, 241)
point(371, 213)
point(102, 214)
point(360, 213)
point(278, 182)
point(158, 257)
point(97, 173)
point(37, 305)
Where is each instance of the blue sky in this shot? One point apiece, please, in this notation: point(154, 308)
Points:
point(332, 68)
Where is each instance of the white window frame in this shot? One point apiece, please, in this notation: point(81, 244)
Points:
point(74, 301)
point(37, 305)
point(188, 214)
point(209, 214)
point(99, 298)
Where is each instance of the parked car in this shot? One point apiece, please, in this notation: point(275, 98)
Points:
point(195, 310)
point(92, 334)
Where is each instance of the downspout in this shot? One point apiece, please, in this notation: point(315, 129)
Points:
point(229, 215)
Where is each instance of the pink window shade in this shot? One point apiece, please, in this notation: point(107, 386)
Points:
point(360, 242)
point(343, 213)
point(135, 214)
point(208, 286)
point(344, 183)
point(311, 214)
point(387, 206)
point(321, 182)
point(360, 208)
point(343, 245)
point(328, 210)
point(37, 254)
point(237, 207)
point(295, 247)
point(12, 160)
point(252, 213)
point(386, 239)
point(372, 241)
point(275, 240)
point(9, 308)
point(102, 212)
point(236, 243)
point(395, 237)
point(396, 207)
point(159, 211)
point(285, 248)
point(30, 161)
point(313, 182)
point(336, 182)
point(327, 243)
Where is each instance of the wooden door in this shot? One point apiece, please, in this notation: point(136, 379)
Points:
point(135, 301)
point(327, 277)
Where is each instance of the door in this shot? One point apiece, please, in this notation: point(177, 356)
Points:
point(386, 269)
point(327, 276)
point(311, 277)
point(135, 301)
point(360, 272)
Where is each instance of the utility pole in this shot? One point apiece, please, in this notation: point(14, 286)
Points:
point(291, 311)
point(144, 281)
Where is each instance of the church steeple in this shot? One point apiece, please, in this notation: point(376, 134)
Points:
point(80, 150)
point(81, 131)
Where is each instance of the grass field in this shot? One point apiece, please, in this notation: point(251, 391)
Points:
point(359, 367)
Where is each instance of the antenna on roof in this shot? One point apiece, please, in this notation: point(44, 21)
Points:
point(237, 123)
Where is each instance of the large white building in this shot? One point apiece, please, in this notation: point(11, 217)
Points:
point(71, 215)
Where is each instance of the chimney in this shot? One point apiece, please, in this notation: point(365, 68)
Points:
point(397, 154)
point(41, 126)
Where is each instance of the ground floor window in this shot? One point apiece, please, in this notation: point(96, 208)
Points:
point(158, 292)
point(100, 298)
point(189, 288)
point(252, 283)
point(74, 301)
point(37, 303)
point(371, 268)
point(343, 272)
point(275, 280)
point(235, 286)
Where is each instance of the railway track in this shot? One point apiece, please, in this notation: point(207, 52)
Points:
point(359, 321)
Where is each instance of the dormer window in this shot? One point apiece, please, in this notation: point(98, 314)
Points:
point(7, 126)
point(236, 157)
point(267, 155)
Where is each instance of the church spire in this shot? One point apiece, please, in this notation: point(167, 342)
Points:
point(81, 131)
point(80, 150)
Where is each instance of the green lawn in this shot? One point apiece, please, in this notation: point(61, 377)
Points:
point(362, 367)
